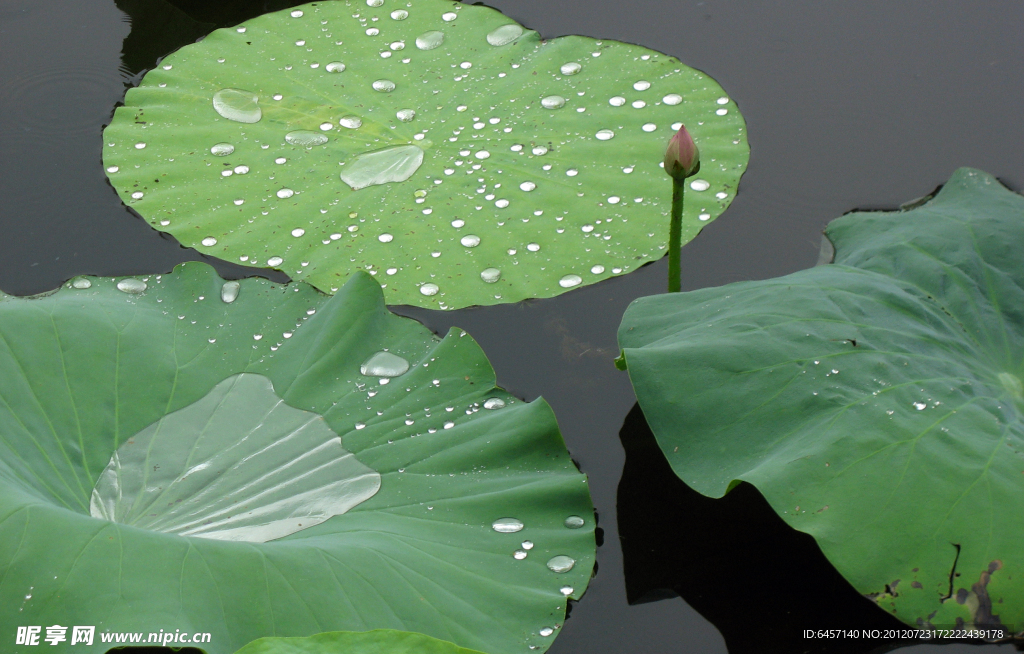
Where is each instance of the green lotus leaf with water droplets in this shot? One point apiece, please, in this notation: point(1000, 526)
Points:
point(249, 459)
point(875, 402)
point(425, 141)
point(378, 641)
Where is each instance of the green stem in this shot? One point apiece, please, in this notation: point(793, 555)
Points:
point(675, 236)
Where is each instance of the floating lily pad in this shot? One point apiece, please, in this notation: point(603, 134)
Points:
point(875, 402)
point(251, 459)
point(378, 641)
point(440, 146)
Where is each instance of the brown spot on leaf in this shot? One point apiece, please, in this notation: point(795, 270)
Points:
point(916, 584)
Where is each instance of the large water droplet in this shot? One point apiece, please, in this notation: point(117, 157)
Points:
point(672, 99)
point(238, 105)
point(507, 525)
point(275, 261)
point(519, 555)
point(470, 240)
point(306, 138)
point(229, 291)
point(570, 280)
point(131, 285)
point(449, 16)
point(546, 631)
point(505, 34)
point(374, 3)
point(604, 135)
point(405, 115)
point(597, 270)
point(490, 275)
point(81, 283)
point(383, 86)
point(351, 122)
point(642, 85)
point(561, 563)
point(574, 522)
point(700, 185)
point(395, 164)
point(496, 403)
point(429, 289)
point(385, 238)
point(222, 149)
point(335, 67)
point(553, 102)
point(527, 186)
point(649, 127)
point(617, 101)
point(399, 14)
point(566, 590)
point(297, 13)
point(571, 68)
point(285, 193)
point(209, 241)
point(429, 40)
point(384, 364)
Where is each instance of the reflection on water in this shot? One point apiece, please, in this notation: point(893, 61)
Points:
point(735, 561)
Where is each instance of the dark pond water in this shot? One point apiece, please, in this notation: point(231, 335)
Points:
point(849, 105)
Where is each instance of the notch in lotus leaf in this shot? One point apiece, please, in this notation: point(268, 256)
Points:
point(440, 146)
point(255, 460)
point(875, 402)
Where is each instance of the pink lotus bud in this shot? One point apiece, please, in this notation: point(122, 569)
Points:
point(682, 158)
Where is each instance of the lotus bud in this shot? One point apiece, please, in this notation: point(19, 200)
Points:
point(682, 158)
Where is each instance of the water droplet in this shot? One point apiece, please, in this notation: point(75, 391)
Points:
point(527, 186)
point(429, 40)
point(405, 115)
point(704, 216)
point(721, 112)
point(649, 127)
point(527, 544)
point(597, 270)
point(229, 292)
point(351, 122)
point(570, 280)
point(722, 100)
point(482, 154)
point(241, 170)
point(374, 3)
point(672, 99)
point(209, 241)
point(113, 169)
point(131, 285)
point(449, 16)
point(384, 86)
point(335, 67)
point(566, 590)
point(385, 238)
point(553, 102)
point(604, 135)
point(571, 68)
point(496, 403)
point(617, 101)
point(373, 31)
point(275, 261)
point(501, 204)
point(507, 525)
point(222, 149)
point(519, 555)
point(384, 364)
point(281, 160)
point(298, 232)
point(574, 522)
point(505, 34)
point(306, 138)
point(397, 45)
point(360, 425)
point(395, 164)
point(297, 13)
point(137, 195)
point(240, 30)
point(285, 193)
point(140, 146)
point(470, 240)
point(546, 631)
point(430, 289)
point(539, 150)
point(920, 406)
point(324, 127)
point(642, 85)
point(458, 222)
point(561, 563)
point(81, 283)
point(399, 14)
point(238, 105)
point(700, 185)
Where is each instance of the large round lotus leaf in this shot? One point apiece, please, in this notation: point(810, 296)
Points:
point(876, 402)
point(378, 641)
point(441, 146)
point(248, 459)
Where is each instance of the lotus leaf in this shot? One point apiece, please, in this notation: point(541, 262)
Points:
point(875, 402)
point(441, 146)
point(251, 459)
